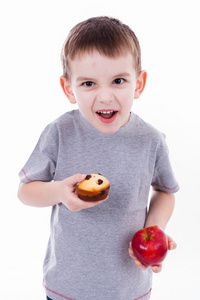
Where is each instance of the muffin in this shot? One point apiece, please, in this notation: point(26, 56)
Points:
point(94, 187)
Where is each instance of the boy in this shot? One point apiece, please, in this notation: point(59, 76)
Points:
point(87, 255)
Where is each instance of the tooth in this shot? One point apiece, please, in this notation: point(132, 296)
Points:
point(105, 112)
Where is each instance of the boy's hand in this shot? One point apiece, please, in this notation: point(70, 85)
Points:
point(156, 269)
point(66, 193)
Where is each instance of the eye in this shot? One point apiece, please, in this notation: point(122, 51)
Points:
point(118, 81)
point(88, 83)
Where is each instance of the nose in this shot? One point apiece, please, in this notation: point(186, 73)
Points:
point(105, 95)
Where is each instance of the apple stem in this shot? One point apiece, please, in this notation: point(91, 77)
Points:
point(148, 235)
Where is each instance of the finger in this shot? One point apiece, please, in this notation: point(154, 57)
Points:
point(137, 262)
point(73, 180)
point(130, 251)
point(171, 243)
point(81, 204)
point(88, 204)
point(140, 265)
point(157, 269)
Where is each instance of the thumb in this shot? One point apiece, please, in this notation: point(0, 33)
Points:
point(73, 180)
point(171, 243)
point(130, 250)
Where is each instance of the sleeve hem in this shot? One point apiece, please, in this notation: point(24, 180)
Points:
point(166, 189)
point(23, 176)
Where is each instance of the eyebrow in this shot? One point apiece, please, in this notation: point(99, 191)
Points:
point(125, 74)
point(82, 78)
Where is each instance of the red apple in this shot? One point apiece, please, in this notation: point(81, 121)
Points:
point(150, 245)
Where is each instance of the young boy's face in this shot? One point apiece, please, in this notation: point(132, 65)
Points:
point(104, 89)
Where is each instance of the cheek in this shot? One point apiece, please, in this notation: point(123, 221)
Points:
point(127, 99)
point(84, 101)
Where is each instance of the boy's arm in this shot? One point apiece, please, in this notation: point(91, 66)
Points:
point(43, 194)
point(160, 211)
point(38, 193)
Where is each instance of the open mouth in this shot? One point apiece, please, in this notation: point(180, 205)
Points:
point(106, 114)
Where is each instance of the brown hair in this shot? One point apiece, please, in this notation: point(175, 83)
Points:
point(107, 35)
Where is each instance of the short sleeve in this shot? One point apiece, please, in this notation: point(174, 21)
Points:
point(41, 164)
point(163, 178)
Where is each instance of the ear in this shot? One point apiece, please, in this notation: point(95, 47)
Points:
point(66, 86)
point(140, 84)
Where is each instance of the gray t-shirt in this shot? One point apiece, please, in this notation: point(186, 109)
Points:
point(87, 255)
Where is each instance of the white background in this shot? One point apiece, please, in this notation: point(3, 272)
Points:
point(32, 34)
